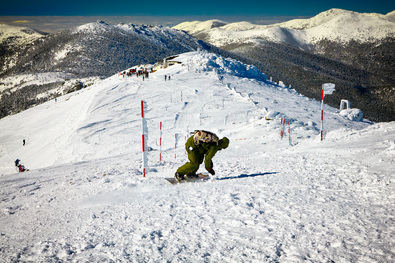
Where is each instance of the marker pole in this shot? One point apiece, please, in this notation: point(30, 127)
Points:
point(322, 113)
point(144, 140)
point(160, 142)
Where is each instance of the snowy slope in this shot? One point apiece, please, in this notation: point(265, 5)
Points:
point(335, 24)
point(18, 35)
point(85, 199)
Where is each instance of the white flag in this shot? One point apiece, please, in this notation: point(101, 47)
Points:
point(328, 88)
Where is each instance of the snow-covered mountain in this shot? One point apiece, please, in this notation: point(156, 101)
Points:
point(99, 49)
point(18, 36)
point(335, 25)
point(271, 200)
point(89, 51)
point(353, 50)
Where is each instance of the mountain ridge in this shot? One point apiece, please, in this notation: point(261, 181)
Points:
point(361, 67)
point(370, 27)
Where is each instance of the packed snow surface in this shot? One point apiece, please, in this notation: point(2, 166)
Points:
point(334, 24)
point(271, 200)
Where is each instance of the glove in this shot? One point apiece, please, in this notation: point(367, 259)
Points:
point(211, 171)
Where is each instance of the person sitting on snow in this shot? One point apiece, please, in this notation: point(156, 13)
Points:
point(21, 168)
point(201, 145)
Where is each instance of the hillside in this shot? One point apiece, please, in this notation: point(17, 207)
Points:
point(75, 57)
point(84, 198)
point(357, 57)
point(337, 25)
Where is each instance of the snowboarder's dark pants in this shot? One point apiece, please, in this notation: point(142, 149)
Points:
point(190, 168)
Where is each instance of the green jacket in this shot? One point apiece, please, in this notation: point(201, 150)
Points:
point(207, 150)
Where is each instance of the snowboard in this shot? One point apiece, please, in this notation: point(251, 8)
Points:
point(201, 178)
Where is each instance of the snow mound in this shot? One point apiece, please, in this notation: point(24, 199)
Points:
point(352, 114)
point(204, 61)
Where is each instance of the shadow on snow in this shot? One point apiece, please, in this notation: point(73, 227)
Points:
point(244, 176)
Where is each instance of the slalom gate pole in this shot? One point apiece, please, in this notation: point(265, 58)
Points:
point(322, 113)
point(160, 142)
point(289, 133)
point(282, 129)
point(144, 139)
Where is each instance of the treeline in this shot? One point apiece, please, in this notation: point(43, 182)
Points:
point(92, 54)
point(22, 99)
point(367, 87)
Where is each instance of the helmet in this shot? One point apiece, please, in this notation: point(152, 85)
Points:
point(223, 143)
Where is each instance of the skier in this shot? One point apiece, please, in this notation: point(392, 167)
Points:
point(201, 145)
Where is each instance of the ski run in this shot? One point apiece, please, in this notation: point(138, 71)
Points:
point(273, 199)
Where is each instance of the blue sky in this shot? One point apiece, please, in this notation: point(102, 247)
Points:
point(186, 7)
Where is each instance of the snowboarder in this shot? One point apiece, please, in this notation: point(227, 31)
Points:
point(201, 145)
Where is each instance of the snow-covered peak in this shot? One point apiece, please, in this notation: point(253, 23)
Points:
point(199, 26)
point(343, 25)
point(94, 27)
point(317, 20)
point(335, 24)
point(240, 26)
point(390, 16)
point(22, 34)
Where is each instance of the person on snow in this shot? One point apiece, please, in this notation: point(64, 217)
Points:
point(17, 162)
point(21, 168)
point(201, 145)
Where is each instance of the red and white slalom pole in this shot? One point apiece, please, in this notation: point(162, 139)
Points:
point(144, 140)
point(282, 128)
point(160, 142)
